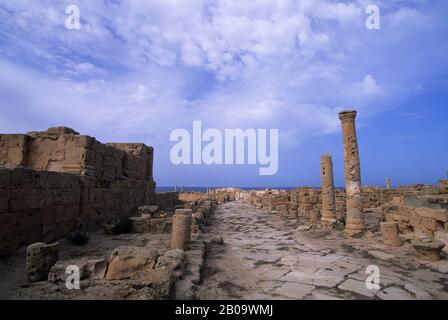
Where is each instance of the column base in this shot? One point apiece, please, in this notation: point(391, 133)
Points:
point(354, 230)
point(328, 223)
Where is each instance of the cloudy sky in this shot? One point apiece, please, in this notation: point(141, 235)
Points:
point(137, 69)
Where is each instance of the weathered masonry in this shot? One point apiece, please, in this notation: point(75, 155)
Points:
point(54, 181)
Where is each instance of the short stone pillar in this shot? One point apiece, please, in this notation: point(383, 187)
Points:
point(181, 230)
point(388, 184)
point(389, 234)
point(40, 257)
point(355, 224)
point(314, 217)
point(328, 196)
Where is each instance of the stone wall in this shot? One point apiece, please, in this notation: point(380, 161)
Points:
point(443, 186)
point(13, 149)
point(167, 200)
point(304, 199)
point(64, 150)
point(54, 181)
point(193, 196)
point(419, 216)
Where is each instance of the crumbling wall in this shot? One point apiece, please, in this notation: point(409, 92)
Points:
point(277, 201)
point(13, 150)
point(222, 195)
point(62, 149)
point(167, 200)
point(421, 213)
point(51, 182)
point(36, 206)
point(192, 196)
point(306, 199)
point(45, 206)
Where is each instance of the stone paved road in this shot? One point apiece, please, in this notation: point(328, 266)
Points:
point(265, 257)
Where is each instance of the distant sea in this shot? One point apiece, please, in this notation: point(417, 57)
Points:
point(204, 189)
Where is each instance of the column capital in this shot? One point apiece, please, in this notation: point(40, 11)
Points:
point(347, 115)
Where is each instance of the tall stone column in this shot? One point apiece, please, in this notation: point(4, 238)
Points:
point(355, 219)
point(328, 197)
point(387, 183)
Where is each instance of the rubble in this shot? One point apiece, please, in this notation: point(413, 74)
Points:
point(428, 250)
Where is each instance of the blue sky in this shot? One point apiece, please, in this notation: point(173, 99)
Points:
point(136, 70)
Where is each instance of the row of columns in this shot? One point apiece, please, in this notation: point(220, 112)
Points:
point(355, 224)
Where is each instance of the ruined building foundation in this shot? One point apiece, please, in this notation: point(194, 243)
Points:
point(355, 219)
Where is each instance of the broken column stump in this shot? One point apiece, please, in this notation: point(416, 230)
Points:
point(389, 234)
point(181, 231)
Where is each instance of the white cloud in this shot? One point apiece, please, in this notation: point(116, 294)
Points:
point(151, 66)
point(369, 86)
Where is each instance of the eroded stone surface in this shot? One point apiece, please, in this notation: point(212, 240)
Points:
point(268, 257)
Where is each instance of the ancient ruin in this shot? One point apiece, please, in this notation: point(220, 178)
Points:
point(69, 203)
point(352, 170)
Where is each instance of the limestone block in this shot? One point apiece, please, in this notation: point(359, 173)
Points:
point(436, 214)
point(13, 149)
point(95, 268)
point(125, 261)
point(173, 260)
point(429, 251)
point(84, 141)
point(430, 224)
point(140, 224)
point(148, 209)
